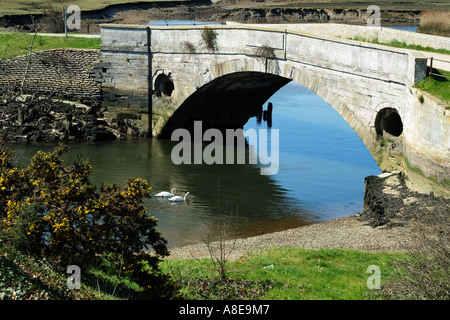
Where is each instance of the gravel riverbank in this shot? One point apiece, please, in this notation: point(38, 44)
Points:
point(344, 233)
point(394, 219)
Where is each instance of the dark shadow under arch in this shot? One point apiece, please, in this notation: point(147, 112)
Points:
point(226, 102)
point(388, 121)
point(163, 85)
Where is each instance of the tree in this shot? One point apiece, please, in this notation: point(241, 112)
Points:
point(52, 20)
point(54, 212)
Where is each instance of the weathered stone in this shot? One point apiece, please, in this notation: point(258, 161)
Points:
point(52, 121)
point(66, 73)
point(222, 87)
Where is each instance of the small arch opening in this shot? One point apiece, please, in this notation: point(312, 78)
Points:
point(389, 121)
point(164, 85)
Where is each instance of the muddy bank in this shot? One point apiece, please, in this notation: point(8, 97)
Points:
point(47, 120)
point(390, 203)
point(220, 14)
point(127, 13)
point(308, 15)
point(143, 12)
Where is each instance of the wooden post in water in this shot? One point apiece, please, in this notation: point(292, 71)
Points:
point(259, 114)
point(269, 114)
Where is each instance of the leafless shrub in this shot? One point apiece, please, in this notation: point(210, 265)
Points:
point(426, 273)
point(264, 54)
point(13, 92)
point(52, 20)
point(220, 238)
point(21, 88)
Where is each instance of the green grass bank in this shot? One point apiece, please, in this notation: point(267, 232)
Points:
point(16, 44)
point(286, 273)
point(276, 274)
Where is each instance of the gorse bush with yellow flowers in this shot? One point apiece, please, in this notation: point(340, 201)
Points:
point(54, 212)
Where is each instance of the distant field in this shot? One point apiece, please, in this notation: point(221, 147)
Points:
point(8, 7)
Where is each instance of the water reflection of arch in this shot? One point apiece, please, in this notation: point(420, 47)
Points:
point(204, 179)
point(258, 198)
point(150, 159)
point(239, 87)
point(259, 202)
point(264, 208)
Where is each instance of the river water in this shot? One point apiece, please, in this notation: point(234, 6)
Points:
point(322, 166)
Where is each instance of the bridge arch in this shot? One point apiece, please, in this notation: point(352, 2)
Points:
point(239, 87)
point(357, 79)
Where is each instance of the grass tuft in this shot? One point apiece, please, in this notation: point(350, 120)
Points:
point(437, 86)
point(400, 44)
point(287, 273)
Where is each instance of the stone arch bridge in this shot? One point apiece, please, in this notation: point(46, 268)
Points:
point(370, 86)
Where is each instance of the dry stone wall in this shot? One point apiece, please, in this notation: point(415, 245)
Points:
point(63, 73)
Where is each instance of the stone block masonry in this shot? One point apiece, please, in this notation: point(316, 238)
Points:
point(370, 86)
point(123, 69)
point(63, 73)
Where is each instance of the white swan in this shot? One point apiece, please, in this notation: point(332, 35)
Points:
point(179, 198)
point(167, 194)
